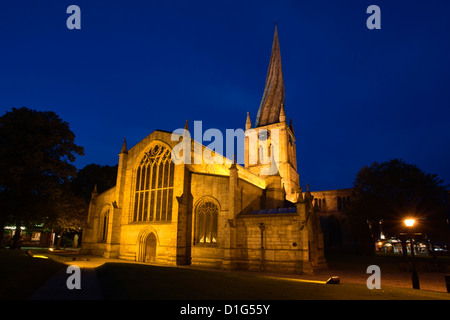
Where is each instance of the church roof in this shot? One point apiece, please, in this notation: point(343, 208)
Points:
point(272, 211)
point(273, 96)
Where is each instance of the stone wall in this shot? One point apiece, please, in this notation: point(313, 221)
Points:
point(282, 248)
point(92, 242)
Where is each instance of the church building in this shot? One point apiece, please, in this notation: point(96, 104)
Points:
point(222, 215)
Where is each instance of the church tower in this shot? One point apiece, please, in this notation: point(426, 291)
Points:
point(272, 138)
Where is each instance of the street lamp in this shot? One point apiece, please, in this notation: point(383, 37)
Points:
point(415, 278)
point(410, 222)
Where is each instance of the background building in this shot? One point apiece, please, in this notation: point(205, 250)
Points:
point(331, 205)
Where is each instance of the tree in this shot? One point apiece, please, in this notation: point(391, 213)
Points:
point(70, 212)
point(93, 174)
point(384, 194)
point(36, 151)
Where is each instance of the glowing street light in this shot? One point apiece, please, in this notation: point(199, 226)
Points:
point(410, 222)
point(415, 278)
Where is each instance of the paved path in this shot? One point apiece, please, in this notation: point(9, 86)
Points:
point(56, 288)
point(433, 281)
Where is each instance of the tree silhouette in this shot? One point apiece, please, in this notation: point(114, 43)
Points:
point(37, 149)
point(384, 194)
point(103, 176)
point(69, 212)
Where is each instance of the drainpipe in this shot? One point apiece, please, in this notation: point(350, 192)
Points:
point(262, 228)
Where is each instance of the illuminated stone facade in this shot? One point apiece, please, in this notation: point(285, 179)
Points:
point(220, 215)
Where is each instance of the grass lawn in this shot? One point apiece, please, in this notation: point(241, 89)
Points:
point(387, 262)
point(21, 275)
point(138, 281)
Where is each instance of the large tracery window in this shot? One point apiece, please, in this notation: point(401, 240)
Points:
point(207, 215)
point(154, 186)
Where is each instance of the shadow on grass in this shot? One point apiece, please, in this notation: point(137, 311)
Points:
point(140, 281)
point(21, 275)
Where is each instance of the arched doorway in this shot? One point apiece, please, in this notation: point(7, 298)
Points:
point(150, 248)
point(147, 245)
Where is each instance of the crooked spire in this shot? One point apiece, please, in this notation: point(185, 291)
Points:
point(273, 96)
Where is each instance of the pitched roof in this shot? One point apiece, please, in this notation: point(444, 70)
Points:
point(271, 211)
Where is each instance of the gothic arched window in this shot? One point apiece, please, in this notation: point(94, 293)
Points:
point(154, 186)
point(104, 221)
point(206, 228)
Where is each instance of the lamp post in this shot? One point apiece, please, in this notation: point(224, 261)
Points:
point(415, 278)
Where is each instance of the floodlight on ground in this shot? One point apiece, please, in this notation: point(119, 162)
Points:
point(333, 280)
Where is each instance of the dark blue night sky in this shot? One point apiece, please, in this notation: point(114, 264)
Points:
point(354, 95)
